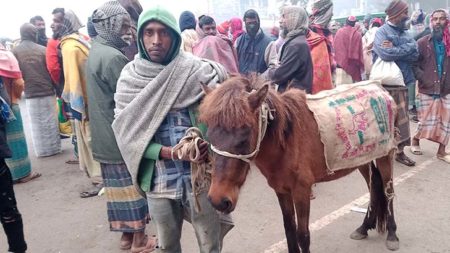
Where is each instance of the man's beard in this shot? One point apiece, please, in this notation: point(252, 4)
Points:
point(438, 33)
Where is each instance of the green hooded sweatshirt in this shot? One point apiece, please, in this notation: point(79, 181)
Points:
point(163, 16)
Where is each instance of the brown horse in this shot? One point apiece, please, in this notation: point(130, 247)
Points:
point(291, 157)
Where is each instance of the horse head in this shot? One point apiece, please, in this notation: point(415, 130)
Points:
point(231, 112)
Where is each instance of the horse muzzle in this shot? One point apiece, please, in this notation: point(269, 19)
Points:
point(224, 205)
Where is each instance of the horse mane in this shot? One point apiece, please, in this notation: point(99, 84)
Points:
point(227, 106)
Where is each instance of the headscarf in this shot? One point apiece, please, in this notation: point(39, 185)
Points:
point(187, 21)
point(223, 28)
point(71, 23)
point(9, 67)
point(322, 12)
point(249, 14)
point(296, 21)
point(396, 8)
point(446, 30)
point(28, 32)
point(236, 28)
point(108, 20)
point(133, 7)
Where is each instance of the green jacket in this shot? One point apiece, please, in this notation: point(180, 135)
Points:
point(103, 69)
point(147, 166)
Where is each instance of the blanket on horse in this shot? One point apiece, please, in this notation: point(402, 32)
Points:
point(356, 123)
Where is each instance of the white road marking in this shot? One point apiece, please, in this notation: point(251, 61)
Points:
point(333, 216)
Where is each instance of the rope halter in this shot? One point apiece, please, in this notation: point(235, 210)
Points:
point(264, 116)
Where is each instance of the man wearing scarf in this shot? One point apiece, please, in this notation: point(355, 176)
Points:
point(39, 93)
point(322, 12)
point(236, 28)
point(156, 102)
point(255, 50)
point(393, 43)
point(189, 35)
point(75, 51)
point(127, 210)
point(39, 22)
point(432, 70)
point(215, 47)
point(349, 53)
point(296, 67)
point(134, 8)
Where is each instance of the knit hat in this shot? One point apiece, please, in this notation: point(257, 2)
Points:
point(187, 20)
point(351, 21)
point(108, 20)
point(395, 8)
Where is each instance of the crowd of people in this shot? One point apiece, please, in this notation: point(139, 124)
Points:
point(127, 92)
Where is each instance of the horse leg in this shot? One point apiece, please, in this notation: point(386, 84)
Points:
point(287, 209)
point(369, 221)
point(385, 167)
point(302, 208)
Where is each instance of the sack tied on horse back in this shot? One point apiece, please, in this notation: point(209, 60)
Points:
point(297, 140)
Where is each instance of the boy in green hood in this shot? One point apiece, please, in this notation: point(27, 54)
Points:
point(156, 100)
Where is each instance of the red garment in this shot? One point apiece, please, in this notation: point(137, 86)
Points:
point(223, 28)
point(9, 67)
point(349, 51)
point(322, 79)
point(330, 43)
point(236, 28)
point(53, 65)
point(218, 49)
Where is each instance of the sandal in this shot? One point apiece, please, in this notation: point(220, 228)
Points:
point(403, 159)
point(445, 158)
point(90, 193)
point(73, 161)
point(33, 175)
point(416, 150)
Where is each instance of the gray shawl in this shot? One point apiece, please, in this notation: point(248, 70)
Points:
point(146, 91)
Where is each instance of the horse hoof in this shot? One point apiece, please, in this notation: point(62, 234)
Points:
point(356, 235)
point(393, 245)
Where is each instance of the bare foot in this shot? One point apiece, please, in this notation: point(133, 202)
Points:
point(126, 240)
point(147, 245)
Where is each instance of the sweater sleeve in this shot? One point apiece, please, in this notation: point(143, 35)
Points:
point(404, 52)
point(53, 66)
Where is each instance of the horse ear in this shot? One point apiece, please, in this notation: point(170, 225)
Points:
point(206, 89)
point(256, 98)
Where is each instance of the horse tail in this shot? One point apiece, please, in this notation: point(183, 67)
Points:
point(380, 203)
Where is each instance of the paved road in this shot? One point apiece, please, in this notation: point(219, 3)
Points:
point(57, 220)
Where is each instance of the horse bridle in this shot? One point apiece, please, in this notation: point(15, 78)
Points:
point(264, 116)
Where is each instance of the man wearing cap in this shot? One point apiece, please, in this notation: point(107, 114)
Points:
point(166, 82)
point(393, 43)
point(432, 71)
point(126, 208)
point(256, 51)
point(349, 53)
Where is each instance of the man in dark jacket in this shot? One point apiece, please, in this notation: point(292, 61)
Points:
point(432, 71)
point(39, 93)
point(104, 64)
point(10, 216)
point(256, 51)
point(296, 68)
point(393, 43)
